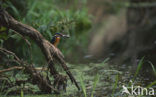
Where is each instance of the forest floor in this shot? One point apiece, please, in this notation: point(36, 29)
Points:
point(100, 79)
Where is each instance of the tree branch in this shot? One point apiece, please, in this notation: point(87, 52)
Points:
point(10, 69)
point(49, 51)
point(35, 77)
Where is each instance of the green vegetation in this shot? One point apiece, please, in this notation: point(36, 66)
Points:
point(95, 79)
point(153, 68)
point(115, 84)
point(138, 69)
point(83, 87)
point(50, 17)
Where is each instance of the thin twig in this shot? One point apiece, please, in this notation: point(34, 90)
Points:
point(10, 69)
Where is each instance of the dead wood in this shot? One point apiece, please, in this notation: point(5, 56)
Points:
point(35, 76)
point(49, 51)
point(20, 68)
point(10, 69)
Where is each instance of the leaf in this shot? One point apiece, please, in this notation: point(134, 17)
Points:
point(154, 70)
point(115, 84)
point(150, 85)
point(13, 8)
point(138, 68)
point(3, 29)
point(96, 80)
point(4, 36)
point(83, 86)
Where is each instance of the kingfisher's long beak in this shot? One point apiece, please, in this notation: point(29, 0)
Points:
point(66, 36)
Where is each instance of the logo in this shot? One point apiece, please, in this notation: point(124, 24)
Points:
point(137, 90)
point(125, 90)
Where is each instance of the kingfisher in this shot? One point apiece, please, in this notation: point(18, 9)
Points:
point(56, 38)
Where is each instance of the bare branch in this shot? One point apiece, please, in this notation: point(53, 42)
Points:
point(49, 51)
point(10, 69)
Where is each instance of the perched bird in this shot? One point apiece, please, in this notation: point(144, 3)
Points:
point(56, 38)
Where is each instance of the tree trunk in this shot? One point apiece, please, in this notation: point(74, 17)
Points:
point(140, 38)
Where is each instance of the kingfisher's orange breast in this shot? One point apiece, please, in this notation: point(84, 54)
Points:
point(57, 41)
